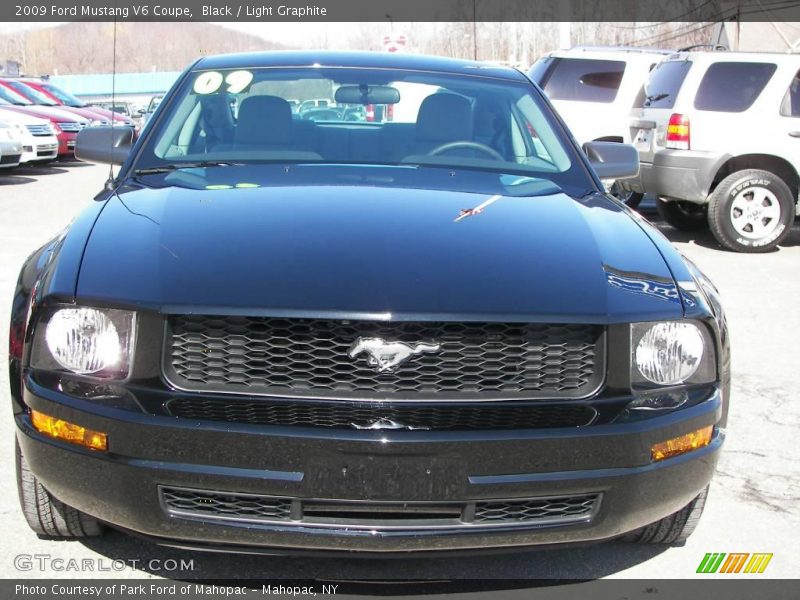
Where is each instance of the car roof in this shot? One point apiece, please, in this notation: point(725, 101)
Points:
point(733, 56)
point(373, 60)
point(617, 52)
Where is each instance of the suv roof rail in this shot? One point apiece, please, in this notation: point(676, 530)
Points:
point(713, 47)
point(634, 49)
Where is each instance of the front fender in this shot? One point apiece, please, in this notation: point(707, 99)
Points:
point(48, 276)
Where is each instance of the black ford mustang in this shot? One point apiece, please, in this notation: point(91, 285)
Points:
point(414, 323)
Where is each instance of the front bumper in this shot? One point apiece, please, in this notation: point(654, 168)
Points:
point(10, 152)
point(66, 143)
point(121, 487)
point(677, 175)
point(39, 149)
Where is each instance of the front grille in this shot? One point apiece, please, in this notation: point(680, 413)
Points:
point(40, 130)
point(46, 150)
point(253, 508)
point(309, 357)
point(71, 126)
point(535, 509)
point(241, 506)
point(368, 415)
point(9, 159)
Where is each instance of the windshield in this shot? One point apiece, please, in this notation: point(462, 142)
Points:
point(63, 96)
point(32, 94)
point(12, 97)
point(154, 102)
point(361, 116)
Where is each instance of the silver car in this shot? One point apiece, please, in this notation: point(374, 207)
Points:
point(10, 145)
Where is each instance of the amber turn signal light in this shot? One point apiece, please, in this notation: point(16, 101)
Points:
point(69, 432)
point(682, 444)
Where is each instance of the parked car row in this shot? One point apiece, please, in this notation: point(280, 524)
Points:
point(39, 121)
point(718, 133)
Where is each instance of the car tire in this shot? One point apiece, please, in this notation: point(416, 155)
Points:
point(683, 216)
point(632, 199)
point(47, 515)
point(674, 529)
point(751, 211)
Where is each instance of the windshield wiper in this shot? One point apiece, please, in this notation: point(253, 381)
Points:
point(656, 97)
point(186, 165)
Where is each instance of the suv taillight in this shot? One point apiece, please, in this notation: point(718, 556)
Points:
point(678, 132)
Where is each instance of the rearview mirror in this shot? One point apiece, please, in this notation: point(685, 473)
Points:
point(611, 160)
point(110, 145)
point(367, 94)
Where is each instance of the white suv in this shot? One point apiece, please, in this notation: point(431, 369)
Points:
point(594, 90)
point(718, 135)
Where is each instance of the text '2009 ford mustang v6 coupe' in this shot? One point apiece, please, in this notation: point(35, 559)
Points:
point(405, 319)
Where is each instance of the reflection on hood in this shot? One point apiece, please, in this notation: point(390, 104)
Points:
point(649, 285)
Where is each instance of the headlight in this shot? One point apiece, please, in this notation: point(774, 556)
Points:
point(672, 352)
point(86, 341)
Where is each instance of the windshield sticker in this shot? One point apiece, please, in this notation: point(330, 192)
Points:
point(210, 82)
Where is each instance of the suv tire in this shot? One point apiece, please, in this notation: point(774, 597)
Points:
point(632, 199)
point(682, 215)
point(751, 211)
point(47, 515)
point(674, 529)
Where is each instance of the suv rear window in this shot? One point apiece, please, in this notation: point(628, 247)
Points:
point(664, 83)
point(790, 107)
point(585, 80)
point(540, 68)
point(732, 86)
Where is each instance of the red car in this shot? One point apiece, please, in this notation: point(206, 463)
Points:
point(64, 98)
point(41, 99)
point(66, 125)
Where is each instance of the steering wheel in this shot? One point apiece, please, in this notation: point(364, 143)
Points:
point(470, 145)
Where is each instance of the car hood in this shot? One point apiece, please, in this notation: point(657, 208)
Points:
point(106, 114)
point(44, 112)
point(20, 118)
point(375, 252)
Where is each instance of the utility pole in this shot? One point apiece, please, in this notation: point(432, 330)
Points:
point(474, 29)
point(565, 18)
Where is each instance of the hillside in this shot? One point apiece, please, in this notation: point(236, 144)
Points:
point(87, 47)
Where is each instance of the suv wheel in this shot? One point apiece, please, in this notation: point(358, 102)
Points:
point(45, 514)
point(751, 211)
point(682, 215)
point(674, 529)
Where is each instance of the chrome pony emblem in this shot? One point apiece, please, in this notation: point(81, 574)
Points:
point(386, 356)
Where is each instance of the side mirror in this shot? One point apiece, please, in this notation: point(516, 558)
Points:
point(611, 160)
point(141, 111)
point(110, 145)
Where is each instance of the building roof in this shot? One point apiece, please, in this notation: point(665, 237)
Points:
point(126, 83)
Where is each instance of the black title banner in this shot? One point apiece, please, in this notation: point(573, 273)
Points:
point(402, 11)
